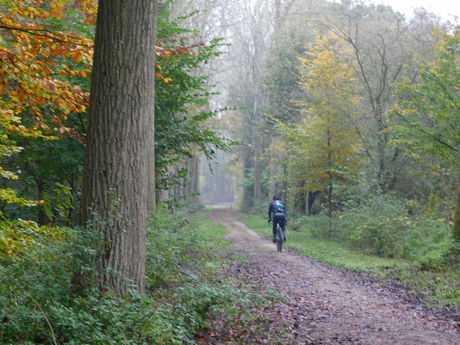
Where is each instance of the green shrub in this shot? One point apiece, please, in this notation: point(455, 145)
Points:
point(383, 226)
point(392, 232)
point(316, 225)
point(169, 243)
point(452, 256)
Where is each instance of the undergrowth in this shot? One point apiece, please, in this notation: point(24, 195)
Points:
point(39, 304)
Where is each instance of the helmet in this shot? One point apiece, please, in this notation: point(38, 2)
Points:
point(276, 197)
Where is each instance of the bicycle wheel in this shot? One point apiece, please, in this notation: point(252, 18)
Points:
point(279, 237)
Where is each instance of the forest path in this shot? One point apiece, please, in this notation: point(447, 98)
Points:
point(322, 304)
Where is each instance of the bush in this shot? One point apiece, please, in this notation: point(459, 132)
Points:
point(169, 242)
point(37, 293)
point(382, 226)
point(316, 225)
point(452, 256)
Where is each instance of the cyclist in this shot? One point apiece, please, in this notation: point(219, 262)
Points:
point(278, 210)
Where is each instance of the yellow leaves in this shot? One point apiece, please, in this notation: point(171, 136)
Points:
point(19, 236)
point(16, 235)
point(325, 142)
point(159, 76)
point(14, 12)
point(328, 68)
point(30, 12)
point(66, 71)
point(25, 10)
point(8, 174)
point(9, 196)
point(80, 73)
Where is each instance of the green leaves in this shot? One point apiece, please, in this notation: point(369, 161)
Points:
point(182, 112)
point(427, 113)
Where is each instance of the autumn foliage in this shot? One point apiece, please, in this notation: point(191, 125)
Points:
point(44, 59)
point(38, 58)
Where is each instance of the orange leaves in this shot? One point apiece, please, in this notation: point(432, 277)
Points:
point(66, 71)
point(177, 50)
point(40, 9)
point(89, 7)
point(33, 78)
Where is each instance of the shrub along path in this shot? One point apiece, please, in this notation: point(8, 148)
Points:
point(317, 303)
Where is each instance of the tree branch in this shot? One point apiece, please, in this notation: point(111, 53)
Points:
point(50, 34)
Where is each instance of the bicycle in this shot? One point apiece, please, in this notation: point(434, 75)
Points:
point(280, 237)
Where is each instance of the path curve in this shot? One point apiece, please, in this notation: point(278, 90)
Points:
point(326, 305)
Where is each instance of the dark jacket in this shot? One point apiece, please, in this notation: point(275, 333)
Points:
point(278, 210)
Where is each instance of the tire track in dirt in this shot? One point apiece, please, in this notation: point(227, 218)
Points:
point(326, 305)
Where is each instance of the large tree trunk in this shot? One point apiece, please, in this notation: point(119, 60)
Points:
point(118, 175)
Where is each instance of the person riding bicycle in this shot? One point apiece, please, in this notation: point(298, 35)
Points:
point(278, 210)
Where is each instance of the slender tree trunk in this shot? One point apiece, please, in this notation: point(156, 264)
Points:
point(195, 180)
point(118, 175)
point(285, 184)
point(248, 194)
point(42, 216)
point(257, 144)
point(191, 187)
point(257, 136)
point(258, 175)
point(329, 158)
point(307, 203)
point(272, 183)
point(456, 228)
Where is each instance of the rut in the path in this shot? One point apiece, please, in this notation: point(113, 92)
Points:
point(322, 304)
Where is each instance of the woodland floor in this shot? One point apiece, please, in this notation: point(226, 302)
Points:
point(321, 304)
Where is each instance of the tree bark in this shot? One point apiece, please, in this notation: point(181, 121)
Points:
point(118, 175)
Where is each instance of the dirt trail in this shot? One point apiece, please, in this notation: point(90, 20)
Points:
point(323, 304)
